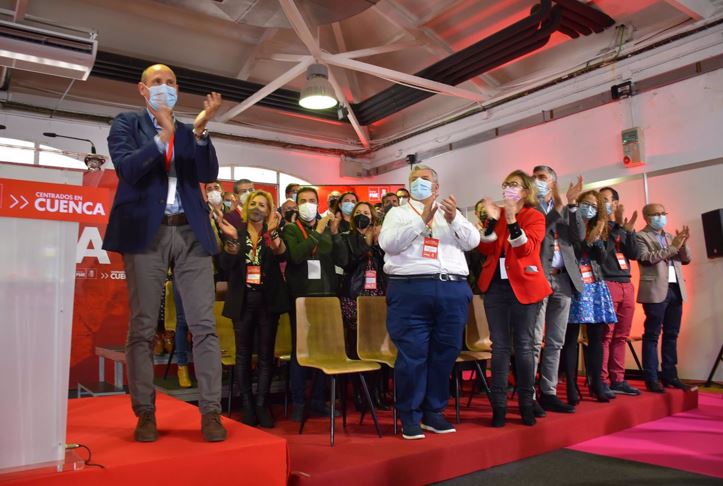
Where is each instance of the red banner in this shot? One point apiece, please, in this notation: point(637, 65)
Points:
point(369, 193)
point(64, 202)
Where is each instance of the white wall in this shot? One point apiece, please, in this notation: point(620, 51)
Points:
point(682, 125)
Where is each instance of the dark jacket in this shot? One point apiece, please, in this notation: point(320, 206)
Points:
point(325, 247)
point(570, 231)
point(360, 257)
point(140, 199)
point(627, 242)
point(272, 282)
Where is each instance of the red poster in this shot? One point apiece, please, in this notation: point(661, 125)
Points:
point(64, 202)
point(372, 194)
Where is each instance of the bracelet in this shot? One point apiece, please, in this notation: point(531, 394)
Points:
point(232, 247)
point(274, 234)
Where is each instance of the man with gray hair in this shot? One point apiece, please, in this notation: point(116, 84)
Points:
point(427, 299)
point(563, 230)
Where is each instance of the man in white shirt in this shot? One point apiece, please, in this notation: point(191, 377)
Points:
point(427, 299)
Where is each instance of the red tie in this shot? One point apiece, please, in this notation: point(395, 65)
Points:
point(169, 153)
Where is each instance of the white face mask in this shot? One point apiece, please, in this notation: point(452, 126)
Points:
point(214, 197)
point(307, 211)
point(243, 197)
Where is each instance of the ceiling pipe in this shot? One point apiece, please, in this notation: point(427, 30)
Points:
point(587, 11)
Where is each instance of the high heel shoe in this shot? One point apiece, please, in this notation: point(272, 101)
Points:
point(572, 397)
point(598, 394)
point(528, 414)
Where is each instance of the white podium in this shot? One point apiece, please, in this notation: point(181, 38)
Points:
point(37, 282)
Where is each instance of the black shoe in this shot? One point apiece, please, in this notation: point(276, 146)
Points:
point(607, 392)
point(572, 397)
point(538, 410)
point(499, 416)
point(264, 417)
point(528, 414)
point(553, 404)
point(624, 388)
point(654, 386)
point(676, 383)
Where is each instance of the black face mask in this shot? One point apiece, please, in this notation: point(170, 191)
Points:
point(289, 213)
point(362, 221)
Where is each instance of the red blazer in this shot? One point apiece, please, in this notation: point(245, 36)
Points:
point(523, 264)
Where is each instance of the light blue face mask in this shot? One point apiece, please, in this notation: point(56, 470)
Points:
point(609, 208)
point(347, 207)
point(587, 211)
point(420, 189)
point(658, 222)
point(162, 94)
point(543, 188)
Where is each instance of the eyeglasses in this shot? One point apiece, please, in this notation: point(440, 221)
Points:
point(592, 205)
point(512, 184)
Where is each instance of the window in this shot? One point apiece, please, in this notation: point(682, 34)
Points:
point(51, 157)
point(18, 151)
point(255, 174)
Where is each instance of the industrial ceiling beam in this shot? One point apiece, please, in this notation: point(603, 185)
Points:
point(252, 56)
point(695, 9)
point(277, 83)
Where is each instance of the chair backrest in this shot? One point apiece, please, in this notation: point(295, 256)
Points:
point(169, 308)
point(226, 335)
point(319, 329)
point(283, 337)
point(477, 330)
point(372, 335)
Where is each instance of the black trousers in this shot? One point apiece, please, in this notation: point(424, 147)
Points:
point(256, 318)
point(595, 334)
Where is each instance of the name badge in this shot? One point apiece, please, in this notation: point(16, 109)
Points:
point(503, 269)
point(370, 280)
point(313, 269)
point(671, 274)
point(430, 248)
point(253, 274)
point(586, 273)
point(622, 263)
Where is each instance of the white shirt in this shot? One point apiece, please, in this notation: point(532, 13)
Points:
point(402, 238)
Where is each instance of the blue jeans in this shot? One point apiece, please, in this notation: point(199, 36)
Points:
point(181, 329)
point(664, 316)
point(425, 320)
point(511, 324)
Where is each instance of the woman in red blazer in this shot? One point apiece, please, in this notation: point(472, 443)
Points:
point(514, 285)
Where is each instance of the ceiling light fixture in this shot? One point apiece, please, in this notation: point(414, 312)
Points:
point(318, 93)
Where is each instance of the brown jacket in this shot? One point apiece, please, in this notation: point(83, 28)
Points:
point(653, 264)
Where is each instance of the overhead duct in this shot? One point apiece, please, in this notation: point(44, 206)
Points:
point(45, 51)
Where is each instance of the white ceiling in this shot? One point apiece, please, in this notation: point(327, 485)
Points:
point(238, 38)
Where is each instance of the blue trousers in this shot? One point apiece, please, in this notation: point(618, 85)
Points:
point(425, 320)
point(663, 316)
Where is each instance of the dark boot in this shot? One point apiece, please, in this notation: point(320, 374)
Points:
point(528, 414)
point(263, 414)
point(499, 416)
point(249, 410)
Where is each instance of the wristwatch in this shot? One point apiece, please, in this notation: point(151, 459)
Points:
point(202, 136)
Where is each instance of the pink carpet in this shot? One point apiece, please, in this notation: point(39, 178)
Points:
point(690, 441)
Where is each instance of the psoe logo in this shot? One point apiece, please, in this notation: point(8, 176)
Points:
point(118, 275)
point(81, 273)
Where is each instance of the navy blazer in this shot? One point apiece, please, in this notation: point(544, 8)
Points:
point(140, 199)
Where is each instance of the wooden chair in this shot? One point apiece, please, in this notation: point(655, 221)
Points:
point(478, 344)
point(373, 342)
point(634, 339)
point(320, 345)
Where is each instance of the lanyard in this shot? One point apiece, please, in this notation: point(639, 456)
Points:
point(169, 152)
point(255, 245)
point(303, 232)
point(429, 227)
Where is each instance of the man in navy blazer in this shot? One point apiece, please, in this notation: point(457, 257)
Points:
point(160, 221)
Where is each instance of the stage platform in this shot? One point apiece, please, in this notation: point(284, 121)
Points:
point(179, 457)
point(361, 458)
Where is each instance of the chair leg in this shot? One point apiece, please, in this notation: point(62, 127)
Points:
point(343, 388)
point(305, 414)
point(332, 408)
point(170, 360)
point(456, 372)
point(480, 376)
point(369, 402)
point(286, 389)
point(474, 388)
point(230, 388)
point(635, 356)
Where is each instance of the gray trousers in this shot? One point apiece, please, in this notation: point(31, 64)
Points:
point(193, 274)
point(551, 323)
